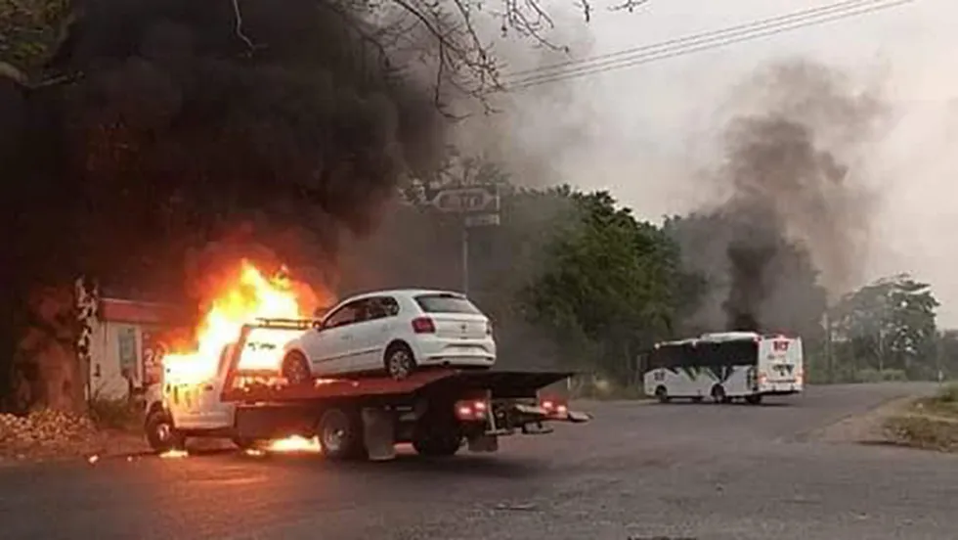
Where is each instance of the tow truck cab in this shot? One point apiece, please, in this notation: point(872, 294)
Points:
point(436, 410)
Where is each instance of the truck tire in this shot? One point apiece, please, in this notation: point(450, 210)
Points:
point(245, 443)
point(437, 445)
point(340, 434)
point(161, 434)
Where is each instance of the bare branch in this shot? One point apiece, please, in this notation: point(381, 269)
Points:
point(629, 5)
point(238, 18)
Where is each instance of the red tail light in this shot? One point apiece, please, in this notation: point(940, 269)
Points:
point(554, 406)
point(423, 325)
point(471, 409)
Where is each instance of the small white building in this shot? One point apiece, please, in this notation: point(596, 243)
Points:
point(126, 345)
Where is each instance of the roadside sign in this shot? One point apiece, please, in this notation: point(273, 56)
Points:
point(482, 220)
point(468, 199)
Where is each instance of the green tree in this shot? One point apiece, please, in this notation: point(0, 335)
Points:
point(888, 324)
point(612, 286)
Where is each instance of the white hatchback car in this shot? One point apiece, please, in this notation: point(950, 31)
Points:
point(394, 331)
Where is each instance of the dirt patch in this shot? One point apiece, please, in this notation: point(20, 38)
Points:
point(56, 436)
point(929, 423)
point(869, 428)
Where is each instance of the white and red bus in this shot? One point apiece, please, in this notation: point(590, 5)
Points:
point(725, 366)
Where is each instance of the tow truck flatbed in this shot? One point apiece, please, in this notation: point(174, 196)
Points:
point(352, 416)
point(501, 385)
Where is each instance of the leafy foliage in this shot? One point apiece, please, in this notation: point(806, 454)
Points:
point(31, 31)
point(888, 324)
point(613, 285)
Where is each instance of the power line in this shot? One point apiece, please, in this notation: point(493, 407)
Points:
point(663, 53)
point(696, 45)
point(696, 37)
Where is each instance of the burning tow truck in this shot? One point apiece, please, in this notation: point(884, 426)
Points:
point(242, 396)
point(435, 410)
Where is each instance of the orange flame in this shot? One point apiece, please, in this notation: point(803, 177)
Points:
point(241, 300)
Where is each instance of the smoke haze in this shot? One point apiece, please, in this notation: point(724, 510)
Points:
point(791, 182)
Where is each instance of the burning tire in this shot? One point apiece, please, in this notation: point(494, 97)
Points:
point(246, 443)
point(161, 434)
point(340, 435)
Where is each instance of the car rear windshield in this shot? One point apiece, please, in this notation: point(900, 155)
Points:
point(445, 303)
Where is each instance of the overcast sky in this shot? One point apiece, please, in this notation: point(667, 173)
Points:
point(644, 132)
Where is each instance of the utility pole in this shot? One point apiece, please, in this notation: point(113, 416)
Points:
point(465, 258)
point(477, 205)
point(829, 360)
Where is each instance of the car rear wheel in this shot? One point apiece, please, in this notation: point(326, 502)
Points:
point(296, 369)
point(399, 361)
point(661, 394)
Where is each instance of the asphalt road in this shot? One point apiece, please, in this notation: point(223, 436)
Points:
point(637, 471)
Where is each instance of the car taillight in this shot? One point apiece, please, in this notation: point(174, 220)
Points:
point(471, 409)
point(554, 406)
point(423, 325)
point(761, 377)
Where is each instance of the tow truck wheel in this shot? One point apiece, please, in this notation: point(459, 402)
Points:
point(296, 369)
point(399, 361)
point(444, 445)
point(161, 434)
point(245, 443)
point(339, 435)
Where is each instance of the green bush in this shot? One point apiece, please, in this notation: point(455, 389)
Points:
point(948, 394)
point(871, 375)
point(123, 414)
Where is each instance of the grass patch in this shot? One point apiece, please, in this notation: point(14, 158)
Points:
point(118, 414)
point(929, 423)
point(927, 432)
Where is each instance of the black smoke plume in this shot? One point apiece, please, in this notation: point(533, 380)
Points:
point(165, 124)
point(179, 119)
point(795, 223)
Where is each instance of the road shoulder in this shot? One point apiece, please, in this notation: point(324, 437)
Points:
point(864, 428)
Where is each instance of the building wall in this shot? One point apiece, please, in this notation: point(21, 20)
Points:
point(107, 379)
point(126, 349)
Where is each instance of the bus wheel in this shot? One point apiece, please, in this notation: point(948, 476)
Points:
point(753, 399)
point(661, 394)
point(718, 394)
